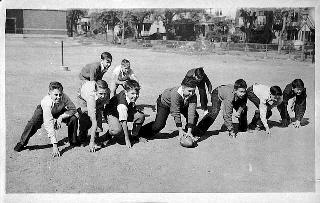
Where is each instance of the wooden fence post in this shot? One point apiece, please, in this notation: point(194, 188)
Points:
point(266, 50)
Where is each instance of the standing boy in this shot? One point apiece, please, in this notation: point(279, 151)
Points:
point(264, 98)
point(294, 103)
point(93, 97)
point(54, 108)
point(95, 71)
point(120, 75)
point(232, 97)
point(122, 109)
point(202, 80)
point(175, 101)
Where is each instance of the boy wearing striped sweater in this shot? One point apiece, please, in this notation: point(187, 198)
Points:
point(232, 97)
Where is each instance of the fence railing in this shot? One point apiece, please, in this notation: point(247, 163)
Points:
point(287, 50)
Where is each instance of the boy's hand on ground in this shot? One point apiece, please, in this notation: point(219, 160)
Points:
point(193, 138)
point(181, 134)
point(128, 144)
point(143, 140)
point(232, 134)
point(59, 122)
point(237, 114)
point(92, 147)
point(55, 151)
point(297, 124)
point(268, 131)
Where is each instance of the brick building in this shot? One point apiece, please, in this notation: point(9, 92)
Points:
point(36, 22)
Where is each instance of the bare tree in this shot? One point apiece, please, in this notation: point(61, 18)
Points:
point(72, 19)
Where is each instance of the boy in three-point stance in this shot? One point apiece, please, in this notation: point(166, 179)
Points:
point(175, 101)
point(232, 97)
point(264, 98)
point(54, 108)
point(122, 109)
point(92, 99)
point(293, 105)
point(120, 75)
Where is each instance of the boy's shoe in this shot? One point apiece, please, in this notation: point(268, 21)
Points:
point(260, 128)
point(223, 128)
point(19, 147)
point(75, 144)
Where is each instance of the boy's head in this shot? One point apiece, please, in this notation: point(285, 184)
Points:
point(199, 73)
point(102, 89)
point(240, 87)
point(297, 86)
point(189, 85)
point(275, 94)
point(106, 59)
point(55, 91)
point(125, 65)
point(132, 90)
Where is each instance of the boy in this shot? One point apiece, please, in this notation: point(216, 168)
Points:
point(294, 103)
point(92, 99)
point(122, 109)
point(264, 98)
point(232, 97)
point(120, 75)
point(199, 75)
point(95, 71)
point(54, 108)
point(175, 101)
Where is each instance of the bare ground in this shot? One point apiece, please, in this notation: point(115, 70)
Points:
point(252, 162)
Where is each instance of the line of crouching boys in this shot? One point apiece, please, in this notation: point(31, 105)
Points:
point(95, 103)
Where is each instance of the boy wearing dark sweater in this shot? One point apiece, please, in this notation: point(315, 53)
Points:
point(293, 105)
point(232, 97)
point(175, 101)
point(122, 109)
point(202, 80)
point(95, 71)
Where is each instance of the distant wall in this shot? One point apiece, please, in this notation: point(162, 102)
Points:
point(47, 22)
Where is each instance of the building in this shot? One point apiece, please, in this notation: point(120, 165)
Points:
point(151, 26)
point(36, 22)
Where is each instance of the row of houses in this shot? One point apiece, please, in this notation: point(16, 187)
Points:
point(53, 22)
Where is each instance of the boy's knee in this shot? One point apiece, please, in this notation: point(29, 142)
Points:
point(115, 130)
point(140, 117)
point(73, 119)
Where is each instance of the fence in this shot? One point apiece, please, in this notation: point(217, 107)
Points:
point(288, 50)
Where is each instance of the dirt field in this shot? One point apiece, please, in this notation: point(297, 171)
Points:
point(252, 162)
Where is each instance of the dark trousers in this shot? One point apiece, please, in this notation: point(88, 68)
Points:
point(37, 120)
point(84, 125)
point(203, 95)
point(256, 101)
point(210, 117)
point(163, 112)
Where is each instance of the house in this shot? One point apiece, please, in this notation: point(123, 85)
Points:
point(151, 26)
point(36, 22)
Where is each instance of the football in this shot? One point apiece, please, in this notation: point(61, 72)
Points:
point(186, 141)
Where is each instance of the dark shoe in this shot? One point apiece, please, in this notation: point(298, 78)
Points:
point(223, 128)
point(75, 144)
point(19, 147)
point(252, 126)
point(242, 129)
